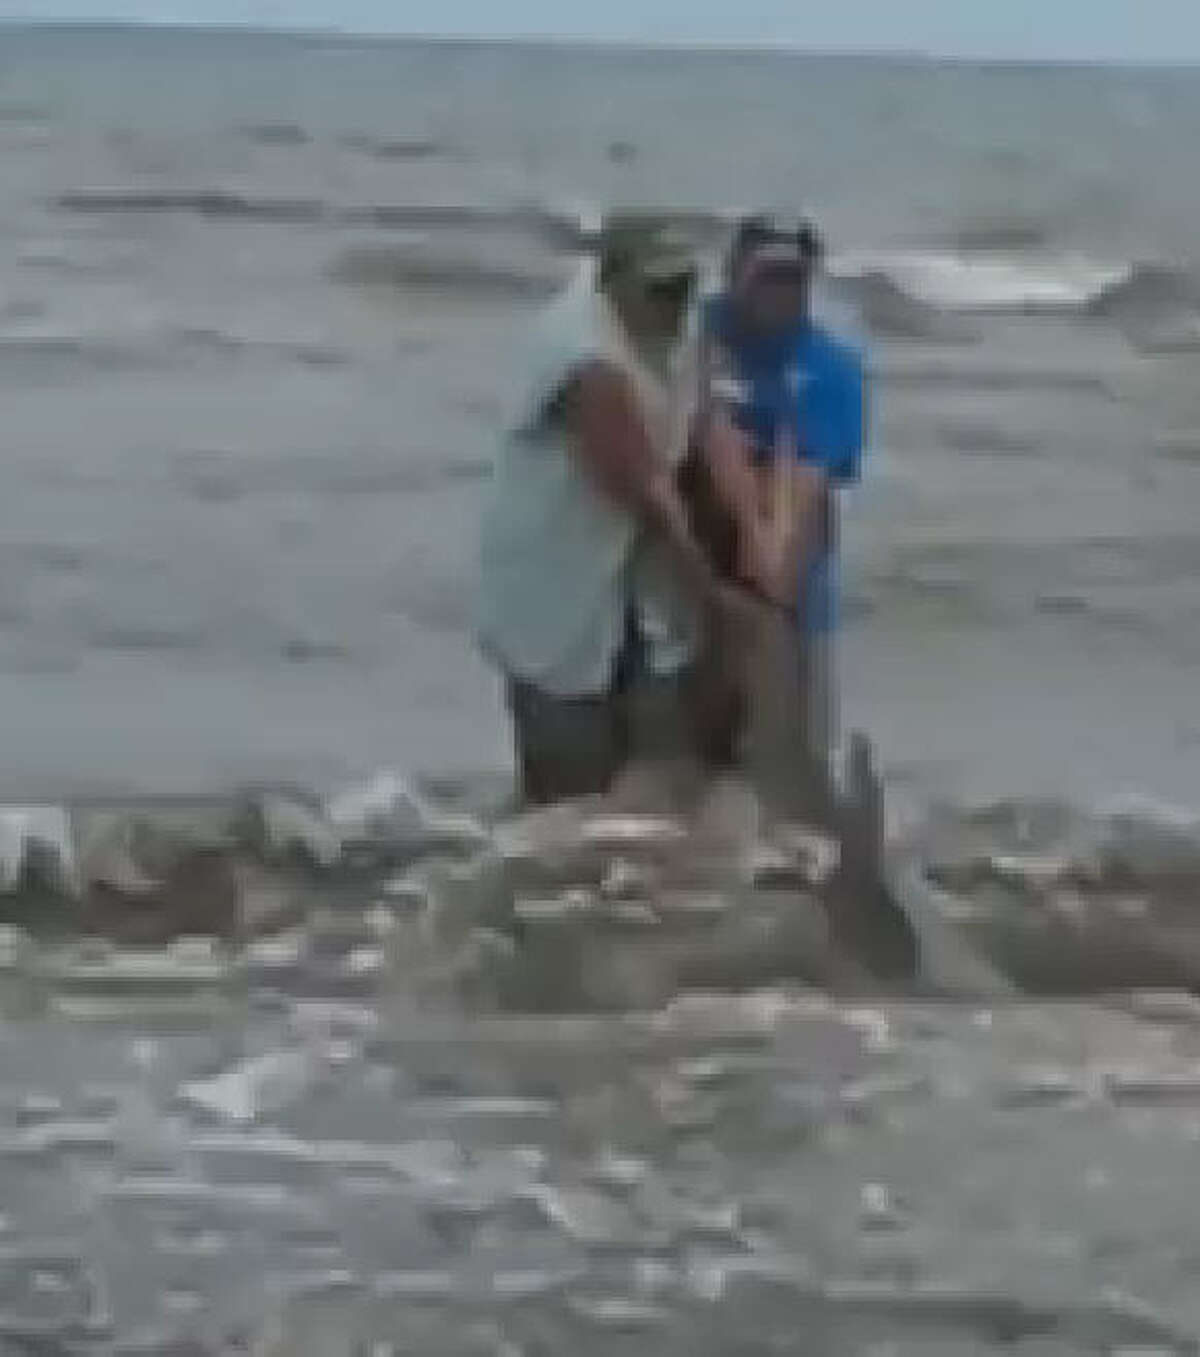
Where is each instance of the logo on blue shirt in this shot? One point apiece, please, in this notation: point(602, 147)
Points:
point(797, 379)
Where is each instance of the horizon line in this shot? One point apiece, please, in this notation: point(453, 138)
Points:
point(645, 45)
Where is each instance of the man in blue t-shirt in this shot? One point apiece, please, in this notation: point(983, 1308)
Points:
point(784, 401)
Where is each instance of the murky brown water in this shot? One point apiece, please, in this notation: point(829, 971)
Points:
point(335, 1139)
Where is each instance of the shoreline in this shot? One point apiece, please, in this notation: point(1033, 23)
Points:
point(767, 48)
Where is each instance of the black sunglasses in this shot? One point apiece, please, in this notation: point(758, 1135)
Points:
point(666, 290)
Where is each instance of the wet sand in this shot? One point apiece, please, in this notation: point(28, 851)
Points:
point(336, 1132)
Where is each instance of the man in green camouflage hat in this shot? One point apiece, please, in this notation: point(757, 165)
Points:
point(593, 588)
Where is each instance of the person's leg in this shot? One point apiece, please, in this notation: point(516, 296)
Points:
point(713, 694)
point(820, 684)
point(565, 747)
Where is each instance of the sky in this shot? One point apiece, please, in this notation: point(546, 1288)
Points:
point(1099, 30)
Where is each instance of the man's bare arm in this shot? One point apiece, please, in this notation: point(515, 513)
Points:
point(727, 453)
point(614, 446)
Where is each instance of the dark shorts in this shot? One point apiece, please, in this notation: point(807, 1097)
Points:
point(576, 746)
point(566, 746)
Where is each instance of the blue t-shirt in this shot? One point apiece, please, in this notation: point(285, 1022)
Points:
point(813, 385)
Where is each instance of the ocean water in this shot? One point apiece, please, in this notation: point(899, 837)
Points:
point(258, 301)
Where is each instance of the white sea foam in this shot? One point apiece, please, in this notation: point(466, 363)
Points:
point(958, 282)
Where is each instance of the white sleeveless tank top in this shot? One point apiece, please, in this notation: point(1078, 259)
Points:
point(560, 563)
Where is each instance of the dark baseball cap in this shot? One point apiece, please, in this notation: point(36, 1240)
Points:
point(792, 250)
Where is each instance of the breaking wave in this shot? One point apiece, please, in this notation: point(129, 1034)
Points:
point(42, 357)
point(55, 355)
point(24, 115)
point(993, 378)
point(952, 281)
point(563, 230)
point(986, 437)
point(931, 296)
point(925, 294)
point(394, 148)
point(999, 235)
point(887, 310)
point(217, 204)
point(566, 229)
point(215, 342)
point(1145, 290)
point(1157, 307)
point(215, 477)
point(276, 134)
point(467, 275)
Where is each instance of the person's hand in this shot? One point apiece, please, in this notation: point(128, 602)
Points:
point(794, 531)
point(763, 563)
